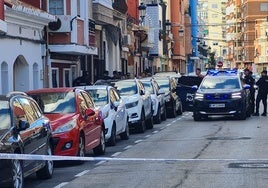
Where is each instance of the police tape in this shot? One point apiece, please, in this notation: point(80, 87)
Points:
point(74, 158)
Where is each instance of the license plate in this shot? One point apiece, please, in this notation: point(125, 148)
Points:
point(221, 105)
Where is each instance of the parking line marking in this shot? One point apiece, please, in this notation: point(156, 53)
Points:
point(147, 136)
point(116, 154)
point(127, 147)
point(99, 163)
point(155, 132)
point(174, 121)
point(162, 128)
point(168, 125)
point(61, 184)
point(82, 173)
point(138, 141)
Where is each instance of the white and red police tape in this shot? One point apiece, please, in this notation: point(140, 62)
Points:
point(73, 158)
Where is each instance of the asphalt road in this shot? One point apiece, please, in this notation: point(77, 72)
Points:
point(178, 153)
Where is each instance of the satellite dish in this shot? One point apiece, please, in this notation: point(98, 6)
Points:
point(54, 26)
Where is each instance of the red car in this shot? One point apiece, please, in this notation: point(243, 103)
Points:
point(76, 123)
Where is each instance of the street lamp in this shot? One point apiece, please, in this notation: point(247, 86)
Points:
point(168, 26)
point(142, 11)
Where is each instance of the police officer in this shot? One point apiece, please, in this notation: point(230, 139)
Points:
point(248, 79)
point(262, 83)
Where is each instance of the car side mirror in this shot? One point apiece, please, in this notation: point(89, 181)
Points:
point(195, 88)
point(115, 105)
point(89, 112)
point(142, 92)
point(23, 125)
point(161, 92)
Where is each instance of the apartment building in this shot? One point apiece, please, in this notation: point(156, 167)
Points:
point(242, 18)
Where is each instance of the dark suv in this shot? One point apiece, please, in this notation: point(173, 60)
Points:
point(23, 130)
point(221, 93)
point(172, 100)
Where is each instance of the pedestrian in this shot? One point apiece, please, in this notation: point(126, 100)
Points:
point(262, 84)
point(106, 75)
point(198, 73)
point(248, 79)
point(82, 80)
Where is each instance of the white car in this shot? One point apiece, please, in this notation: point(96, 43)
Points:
point(138, 103)
point(113, 111)
point(158, 99)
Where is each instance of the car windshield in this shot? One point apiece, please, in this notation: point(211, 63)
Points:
point(56, 102)
point(220, 83)
point(148, 87)
point(163, 84)
point(99, 96)
point(126, 88)
point(4, 115)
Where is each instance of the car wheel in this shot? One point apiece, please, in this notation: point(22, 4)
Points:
point(125, 134)
point(150, 121)
point(100, 149)
point(142, 126)
point(242, 115)
point(112, 139)
point(157, 118)
point(197, 117)
point(17, 172)
point(164, 115)
point(47, 171)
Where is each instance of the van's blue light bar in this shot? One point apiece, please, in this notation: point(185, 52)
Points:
point(221, 72)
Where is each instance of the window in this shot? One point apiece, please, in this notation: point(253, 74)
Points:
point(67, 77)
point(35, 76)
point(4, 78)
point(56, 7)
point(55, 77)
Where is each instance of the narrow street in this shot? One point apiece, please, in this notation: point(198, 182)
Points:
point(219, 152)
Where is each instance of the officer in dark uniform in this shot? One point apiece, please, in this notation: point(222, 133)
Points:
point(248, 79)
point(262, 83)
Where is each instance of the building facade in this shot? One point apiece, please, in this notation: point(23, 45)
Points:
point(22, 28)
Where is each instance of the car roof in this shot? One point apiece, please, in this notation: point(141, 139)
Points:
point(52, 90)
point(104, 87)
point(168, 73)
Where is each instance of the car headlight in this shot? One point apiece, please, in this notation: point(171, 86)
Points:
point(66, 127)
point(132, 104)
point(199, 96)
point(236, 95)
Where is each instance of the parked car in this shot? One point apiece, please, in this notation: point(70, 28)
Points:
point(113, 111)
point(172, 100)
point(76, 122)
point(138, 103)
point(23, 130)
point(158, 99)
point(222, 93)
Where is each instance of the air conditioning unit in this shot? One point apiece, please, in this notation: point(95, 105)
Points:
point(62, 25)
point(126, 39)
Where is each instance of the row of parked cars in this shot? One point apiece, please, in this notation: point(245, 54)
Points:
point(72, 121)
